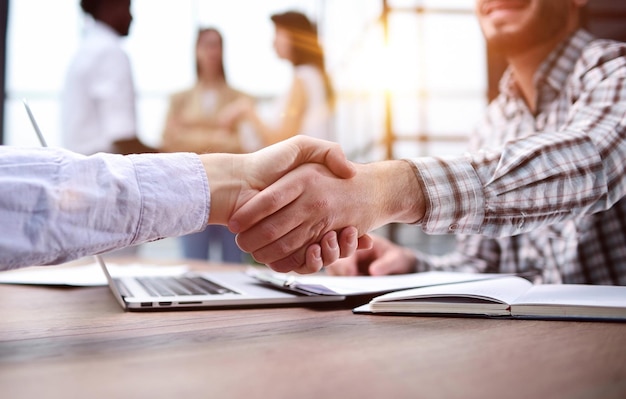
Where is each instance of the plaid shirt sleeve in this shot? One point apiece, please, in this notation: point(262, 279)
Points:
point(540, 179)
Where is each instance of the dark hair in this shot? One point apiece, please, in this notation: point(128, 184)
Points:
point(219, 35)
point(305, 47)
point(90, 6)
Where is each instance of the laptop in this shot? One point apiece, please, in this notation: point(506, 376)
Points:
point(195, 290)
point(202, 290)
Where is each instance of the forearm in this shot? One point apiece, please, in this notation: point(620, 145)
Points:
point(572, 169)
point(408, 202)
point(535, 181)
point(57, 206)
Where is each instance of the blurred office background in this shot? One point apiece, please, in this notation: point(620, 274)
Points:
point(411, 75)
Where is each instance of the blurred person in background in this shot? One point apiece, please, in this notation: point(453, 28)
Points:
point(98, 98)
point(192, 126)
point(307, 107)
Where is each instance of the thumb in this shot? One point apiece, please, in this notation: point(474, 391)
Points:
point(327, 153)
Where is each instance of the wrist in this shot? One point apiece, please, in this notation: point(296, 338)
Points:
point(224, 184)
point(402, 194)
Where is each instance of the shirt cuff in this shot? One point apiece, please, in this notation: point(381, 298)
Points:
point(175, 195)
point(453, 193)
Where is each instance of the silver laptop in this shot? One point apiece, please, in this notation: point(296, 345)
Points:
point(190, 290)
point(202, 290)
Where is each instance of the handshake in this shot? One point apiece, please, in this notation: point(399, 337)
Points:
point(300, 204)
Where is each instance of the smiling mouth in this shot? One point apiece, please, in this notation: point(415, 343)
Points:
point(490, 6)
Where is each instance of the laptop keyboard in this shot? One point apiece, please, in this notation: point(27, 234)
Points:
point(170, 286)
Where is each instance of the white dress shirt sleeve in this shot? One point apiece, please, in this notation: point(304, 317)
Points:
point(56, 205)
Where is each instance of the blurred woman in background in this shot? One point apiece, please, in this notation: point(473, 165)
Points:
point(192, 126)
point(307, 107)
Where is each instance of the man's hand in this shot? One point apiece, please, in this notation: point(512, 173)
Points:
point(308, 202)
point(332, 247)
point(384, 257)
point(236, 178)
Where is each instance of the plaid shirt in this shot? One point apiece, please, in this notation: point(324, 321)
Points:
point(541, 193)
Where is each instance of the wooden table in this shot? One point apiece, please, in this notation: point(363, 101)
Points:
point(78, 343)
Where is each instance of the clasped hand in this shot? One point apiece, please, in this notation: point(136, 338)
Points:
point(236, 179)
point(298, 210)
point(300, 204)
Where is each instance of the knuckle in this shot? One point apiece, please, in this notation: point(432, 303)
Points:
point(321, 204)
point(282, 248)
point(275, 252)
point(320, 228)
point(274, 198)
point(268, 231)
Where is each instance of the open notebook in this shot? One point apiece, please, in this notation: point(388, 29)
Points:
point(509, 297)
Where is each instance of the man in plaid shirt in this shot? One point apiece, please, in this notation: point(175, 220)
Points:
point(541, 190)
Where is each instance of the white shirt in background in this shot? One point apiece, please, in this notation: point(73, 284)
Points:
point(98, 103)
